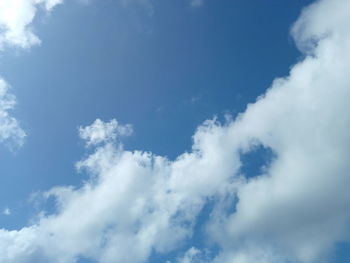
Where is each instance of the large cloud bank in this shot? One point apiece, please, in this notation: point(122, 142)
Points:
point(136, 204)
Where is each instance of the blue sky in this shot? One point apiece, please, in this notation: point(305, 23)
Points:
point(256, 187)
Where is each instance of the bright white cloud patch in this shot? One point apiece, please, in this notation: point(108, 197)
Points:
point(100, 131)
point(10, 131)
point(16, 17)
point(137, 204)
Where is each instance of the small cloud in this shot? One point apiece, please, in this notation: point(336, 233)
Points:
point(196, 3)
point(10, 131)
point(100, 131)
point(6, 211)
point(194, 255)
point(194, 99)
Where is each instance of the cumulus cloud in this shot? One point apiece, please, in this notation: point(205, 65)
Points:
point(10, 130)
point(100, 131)
point(16, 17)
point(299, 209)
point(136, 204)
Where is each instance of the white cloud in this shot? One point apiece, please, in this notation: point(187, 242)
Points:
point(16, 17)
point(10, 131)
point(6, 211)
point(194, 255)
point(135, 203)
point(138, 203)
point(100, 132)
point(300, 209)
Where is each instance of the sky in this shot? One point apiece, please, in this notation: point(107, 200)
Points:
point(188, 131)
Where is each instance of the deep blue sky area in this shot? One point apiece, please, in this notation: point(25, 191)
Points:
point(164, 69)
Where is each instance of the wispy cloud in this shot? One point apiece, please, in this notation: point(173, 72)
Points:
point(196, 3)
point(10, 130)
point(6, 211)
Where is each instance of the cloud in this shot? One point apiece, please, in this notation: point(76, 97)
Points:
point(298, 210)
point(10, 130)
point(196, 3)
point(194, 255)
point(100, 131)
point(16, 17)
point(136, 204)
point(6, 211)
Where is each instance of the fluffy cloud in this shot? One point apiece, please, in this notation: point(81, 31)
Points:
point(16, 17)
point(136, 204)
point(100, 131)
point(299, 209)
point(10, 131)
